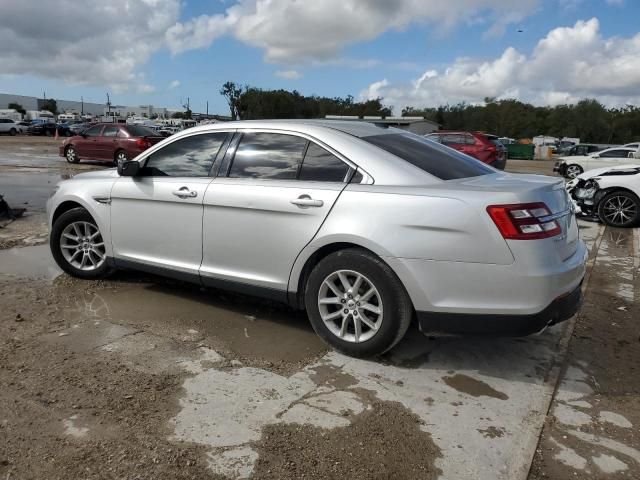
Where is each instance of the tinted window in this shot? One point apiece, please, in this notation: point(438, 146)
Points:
point(434, 137)
point(110, 131)
point(321, 166)
point(140, 131)
point(93, 131)
point(188, 157)
point(268, 155)
point(469, 139)
point(433, 158)
point(615, 154)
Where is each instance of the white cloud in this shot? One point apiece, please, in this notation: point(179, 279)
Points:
point(291, 31)
point(103, 43)
point(174, 84)
point(288, 74)
point(568, 64)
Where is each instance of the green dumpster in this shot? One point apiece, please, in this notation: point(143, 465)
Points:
point(520, 151)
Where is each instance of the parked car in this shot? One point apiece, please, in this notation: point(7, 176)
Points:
point(365, 227)
point(611, 193)
point(571, 167)
point(635, 145)
point(486, 148)
point(581, 149)
point(10, 127)
point(42, 128)
point(111, 142)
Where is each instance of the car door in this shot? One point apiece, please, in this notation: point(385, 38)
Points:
point(156, 217)
point(86, 145)
point(105, 143)
point(265, 206)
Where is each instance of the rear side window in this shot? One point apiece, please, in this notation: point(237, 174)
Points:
point(140, 131)
point(441, 162)
point(188, 157)
point(615, 154)
point(272, 156)
point(322, 166)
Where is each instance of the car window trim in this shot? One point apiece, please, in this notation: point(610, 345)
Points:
point(228, 134)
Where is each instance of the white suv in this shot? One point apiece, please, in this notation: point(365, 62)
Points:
point(365, 227)
point(11, 127)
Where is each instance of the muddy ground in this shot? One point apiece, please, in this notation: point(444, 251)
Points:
point(143, 377)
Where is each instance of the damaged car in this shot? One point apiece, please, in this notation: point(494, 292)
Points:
point(611, 195)
point(572, 166)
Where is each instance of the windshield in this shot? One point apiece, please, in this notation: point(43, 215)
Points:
point(140, 131)
point(436, 159)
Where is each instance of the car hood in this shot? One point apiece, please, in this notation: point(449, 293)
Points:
point(600, 171)
point(108, 173)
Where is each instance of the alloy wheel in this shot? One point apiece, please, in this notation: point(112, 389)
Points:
point(573, 171)
point(350, 306)
point(618, 210)
point(71, 155)
point(82, 246)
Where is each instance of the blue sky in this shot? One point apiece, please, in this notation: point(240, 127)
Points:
point(466, 58)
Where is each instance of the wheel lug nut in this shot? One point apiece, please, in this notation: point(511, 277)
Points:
point(343, 301)
point(346, 311)
point(358, 304)
point(355, 314)
point(350, 296)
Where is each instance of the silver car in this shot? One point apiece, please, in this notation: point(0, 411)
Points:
point(365, 227)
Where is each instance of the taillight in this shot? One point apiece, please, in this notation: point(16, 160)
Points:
point(143, 143)
point(525, 221)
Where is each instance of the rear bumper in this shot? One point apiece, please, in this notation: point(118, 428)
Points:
point(559, 310)
point(499, 163)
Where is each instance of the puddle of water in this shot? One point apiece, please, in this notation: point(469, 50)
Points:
point(245, 328)
point(28, 189)
point(473, 387)
point(30, 262)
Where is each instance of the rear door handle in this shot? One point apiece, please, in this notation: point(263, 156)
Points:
point(305, 201)
point(184, 192)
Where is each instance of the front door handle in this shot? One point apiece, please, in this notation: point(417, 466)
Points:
point(184, 192)
point(304, 201)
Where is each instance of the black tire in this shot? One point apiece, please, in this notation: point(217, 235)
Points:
point(13, 132)
point(70, 151)
point(397, 309)
point(67, 218)
point(573, 167)
point(116, 160)
point(620, 209)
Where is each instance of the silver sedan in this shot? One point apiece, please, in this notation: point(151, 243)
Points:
point(367, 228)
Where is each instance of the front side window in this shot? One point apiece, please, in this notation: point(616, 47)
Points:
point(437, 160)
point(93, 131)
point(110, 131)
point(188, 157)
point(322, 166)
point(273, 156)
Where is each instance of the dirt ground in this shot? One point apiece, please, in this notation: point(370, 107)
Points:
point(141, 377)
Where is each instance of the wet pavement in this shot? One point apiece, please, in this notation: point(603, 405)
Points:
point(142, 376)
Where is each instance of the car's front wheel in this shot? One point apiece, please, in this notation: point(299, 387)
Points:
point(573, 170)
point(71, 155)
point(77, 245)
point(120, 157)
point(13, 132)
point(620, 209)
point(357, 304)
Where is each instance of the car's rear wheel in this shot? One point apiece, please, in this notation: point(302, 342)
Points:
point(357, 304)
point(120, 157)
point(71, 155)
point(13, 132)
point(77, 245)
point(573, 170)
point(620, 209)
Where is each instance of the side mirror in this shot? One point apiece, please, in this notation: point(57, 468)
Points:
point(595, 155)
point(130, 168)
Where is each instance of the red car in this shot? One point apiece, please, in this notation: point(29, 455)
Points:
point(109, 142)
point(486, 148)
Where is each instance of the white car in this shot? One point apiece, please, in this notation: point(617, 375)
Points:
point(363, 226)
point(10, 126)
point(611, 194)
point(571, 167)
point(634, 145)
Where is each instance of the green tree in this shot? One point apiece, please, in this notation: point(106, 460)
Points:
point(17, 107)
point(233, 93)
point(50, 105)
